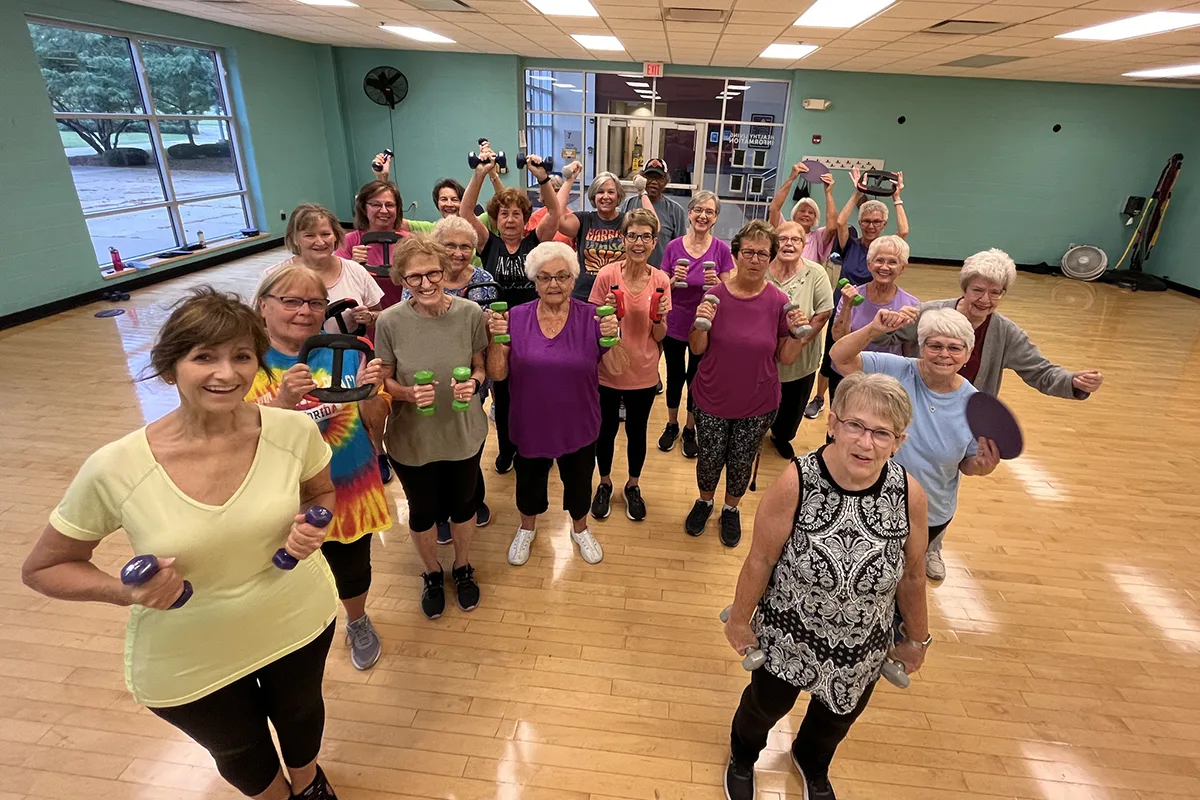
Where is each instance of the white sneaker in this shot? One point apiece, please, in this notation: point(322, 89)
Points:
point(935, 568)
point(589, 548)
point(518, 551)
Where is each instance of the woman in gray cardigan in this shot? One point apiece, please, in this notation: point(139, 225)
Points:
point(1000, 343)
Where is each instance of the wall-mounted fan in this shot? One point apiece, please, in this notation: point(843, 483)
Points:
point(386, 86)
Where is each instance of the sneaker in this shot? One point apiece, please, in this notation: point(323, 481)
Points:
point(731, 527)
point(433, 596)
point(589, 548)
point(813, 409)
point(621, 411)
point(698, 518)
point(518, 551)
point(602, 501)
point(635, 506)
point(443, 533)
point(666, 442)
point(659, 389)
point(319, 789)
point(466, 587)
point(364, 643)
point(385, 469)
point(814, 788)
point(503, 465)
point(739, 781)
point(784, 449)
point(935, 568)
point(483, 515)
point(690, 448)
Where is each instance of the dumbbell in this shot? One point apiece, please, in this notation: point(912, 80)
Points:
point(682, 262)
point(801, 331)
point(475, 161)
point(500, 307)
point(607, 311)
point(461, 375)
point(703, 324)
point(895, 674)
point(547, 162)
point(425, 378)
point(318, 517)
point(619, 303)
point(377, 166)
point(709, 266)
point(753, 658)
point(654, 303)
point(142, 568)
point(858, 298)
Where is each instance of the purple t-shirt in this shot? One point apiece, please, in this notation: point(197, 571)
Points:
point(684, 302)
point(554, 406)
point(738, 378)
point(861, 315)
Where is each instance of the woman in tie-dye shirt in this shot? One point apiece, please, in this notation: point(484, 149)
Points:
point(292, 301)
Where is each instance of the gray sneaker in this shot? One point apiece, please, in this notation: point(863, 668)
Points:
point(363, 642)
point(813, 409)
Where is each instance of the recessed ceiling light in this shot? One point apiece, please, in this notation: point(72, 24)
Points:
point(419, 34)
point(565, 8)
point(1141, 25)
point(593, 42)
point(565, 85)
point(840, 13)
point(1184, 71)
point(790, 52)
point(637, 84)
point(338, 3)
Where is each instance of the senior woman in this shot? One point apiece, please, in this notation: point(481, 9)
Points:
point(872, 219)
point(737, 386)
point(378, 207)
point(837, 547)
point(552, 365)
point(806, 213)
point(447, 195)
point(939, 447)
point(597, 234)
point(1000, 343)
point(213, 489)
point(436, 456)
point(292, 303)
point(696, 247)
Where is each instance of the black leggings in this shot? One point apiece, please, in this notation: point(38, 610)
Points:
point(500, 399)
point(676, 377)
point(791, 407)
point(729, 444)
point(231, 723)
point(575, 470)
point(350, 564)
point(439, 490)
point(638, 403)
point(480, 488)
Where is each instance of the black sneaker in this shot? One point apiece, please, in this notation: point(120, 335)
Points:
point(466, 587)
point(503, 465)
point(690, 448)
point(602, 501)
point(443, 533)
point(385, 469)
point(635, 506)
point(816, 788)
point(813, 409)
point(483, 515)
point(319, 789)
point(433, 596)
point(698, 518)
point(784, 449)
point(666, 442)
point(739, 781)
point(731, 527)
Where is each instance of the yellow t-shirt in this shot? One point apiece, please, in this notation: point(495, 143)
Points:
point(245, 612)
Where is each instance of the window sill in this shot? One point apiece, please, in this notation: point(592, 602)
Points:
point(109, 274)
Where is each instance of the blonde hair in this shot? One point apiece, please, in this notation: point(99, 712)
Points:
point(876, 393)
point(807, 201)
point(288, 275)
point(891, 242)
point(994, 266)
point(412, 246)
point(873, 205)
point(599, 181)
point(945, 322)
point(305, 218)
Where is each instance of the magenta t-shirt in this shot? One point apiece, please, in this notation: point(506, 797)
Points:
point(553, 384)
point(684, 302)
point(738, 378)
point(392, 294)
point(861, 315)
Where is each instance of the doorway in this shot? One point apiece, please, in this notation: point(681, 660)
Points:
point(625, 144)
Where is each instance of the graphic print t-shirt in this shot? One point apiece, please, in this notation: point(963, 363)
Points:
point(598, 243)
point(509, 268)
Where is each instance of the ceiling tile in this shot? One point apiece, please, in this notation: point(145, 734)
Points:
point(917, 9)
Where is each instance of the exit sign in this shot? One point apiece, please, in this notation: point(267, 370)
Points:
point(652, 69)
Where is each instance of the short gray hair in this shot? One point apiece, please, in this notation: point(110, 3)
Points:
point(807, 201)
point(994, 266)
point(600, 180)
point(875, 392)
point(454, 224)
point(945, 322)
point(873, 205)
point(892, 242)
point(546, 252)
point(703, 196)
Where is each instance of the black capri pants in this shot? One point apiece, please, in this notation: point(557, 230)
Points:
point(575, 470)
point(638, 403)
point(729, 444)
point(439, 490)
point(350, 563)
point(675, 350)
point(231, 723)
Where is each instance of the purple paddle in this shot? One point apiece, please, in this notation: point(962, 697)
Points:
point(991, 419)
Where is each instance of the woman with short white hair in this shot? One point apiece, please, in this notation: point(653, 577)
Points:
point(940, 446)
point(597, 234)
point(552, 362)
point(806, 213)
point(1000, 344)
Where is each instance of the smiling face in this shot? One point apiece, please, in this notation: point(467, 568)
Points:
point(804, 214)
point(318, 241)
point(944, 356)
point(606, 198)
point(214, 378)
point(423, 276)
point(871, 225)
point(702, 216)
point(382, 211)
point(448, 201)
point(863, 441)
point(639, 243)
point(289, 322)
point(460, 246)
point(886, 266)
point(982, 298)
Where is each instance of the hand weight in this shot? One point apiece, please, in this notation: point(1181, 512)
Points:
point(378, 166)
point(682, 262)
point(500, 308)
point(655, 316)
point(607, 311)
point(703, 324)
point(547, 163)
point(801, 331)
point(619, 303)
point(142, 568)
point(709, 266)
point(858, 298)
point(895, 674)
point(461, 375)
point(424, 378)
point(753, 658)
point(474, 160)
point(318, 517)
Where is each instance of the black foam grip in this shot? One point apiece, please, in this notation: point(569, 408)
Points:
point(338, 343)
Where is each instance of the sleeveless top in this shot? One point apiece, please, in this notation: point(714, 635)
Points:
point(825, 620)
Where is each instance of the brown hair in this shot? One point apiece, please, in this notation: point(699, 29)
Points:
point(288, 275)
point(205, 319)
point(509, 196)
point(368, 191)
point(755, 229)
point(416, 245)
point(639, 216)
point(304, 219)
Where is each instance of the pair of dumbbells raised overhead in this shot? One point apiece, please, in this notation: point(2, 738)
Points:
point(501, 159)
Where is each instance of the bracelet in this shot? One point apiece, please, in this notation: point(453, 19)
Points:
point(544, 181)
point(897, 202)
point(478, 384)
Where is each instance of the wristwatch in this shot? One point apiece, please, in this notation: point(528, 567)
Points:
point(478, 384)
point(923, 645)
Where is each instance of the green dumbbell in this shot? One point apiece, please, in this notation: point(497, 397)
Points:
point(425, 378)
point(858, 298)
point(607, 311)
point(500, 308)
point(461, 375)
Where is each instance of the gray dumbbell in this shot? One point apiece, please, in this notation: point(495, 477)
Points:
point(703, 324)
point(681, 262)
point(709, 266)
point(895, 674)
point(801, 331)
point(754, 658)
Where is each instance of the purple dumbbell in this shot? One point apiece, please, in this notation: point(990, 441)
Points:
point(142, 568)
point(318, 517)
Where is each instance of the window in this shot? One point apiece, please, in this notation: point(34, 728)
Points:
point(147, 129)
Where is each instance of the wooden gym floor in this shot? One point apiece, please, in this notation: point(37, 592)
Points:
point(1068, 630)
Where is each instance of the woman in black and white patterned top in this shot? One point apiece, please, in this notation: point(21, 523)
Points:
point(839, 541)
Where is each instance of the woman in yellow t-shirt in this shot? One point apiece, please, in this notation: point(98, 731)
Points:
point(213, 489)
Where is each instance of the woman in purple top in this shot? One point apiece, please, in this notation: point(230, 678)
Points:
point(691, 282)
point(737, 386)
point(552, 366)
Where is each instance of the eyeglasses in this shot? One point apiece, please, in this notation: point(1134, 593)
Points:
point(791, 240)
point(639, 237)
point(434, 276)
point(952, 349)
point(880, 437)
point(381, 206)
point(865, 222)
point(294, 303)
point(546, 280)
point(885, 262)
point(979, 291)
point(755, 255)
point(459, 248)
point(704, 212)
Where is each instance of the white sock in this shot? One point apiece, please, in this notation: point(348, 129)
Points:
point(729, 508)
point(707, 503)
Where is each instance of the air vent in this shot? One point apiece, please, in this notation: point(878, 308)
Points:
point(443, 6)
point(978, 62)
point(967, 27)
point(695, 14)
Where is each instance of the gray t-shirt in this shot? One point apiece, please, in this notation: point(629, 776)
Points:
point(413, 343)
point(672, 222)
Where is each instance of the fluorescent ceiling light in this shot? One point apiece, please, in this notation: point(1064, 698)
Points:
point(338, 3)
point(419, 34)
point(565, 8)
point(637, 84)
point(546, 78)
point(565, 85)
point(630, 75)
point(736, 88)
point(1185, 71)
point(840, 13)
point(1141, 25)
point(790, 52)
point(577, 91)
point(592, 42)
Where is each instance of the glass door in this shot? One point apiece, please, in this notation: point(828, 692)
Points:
point(681, 145)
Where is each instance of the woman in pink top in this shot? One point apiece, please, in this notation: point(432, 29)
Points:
point(818, 242)
point(378, 207)
point(646, 297)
